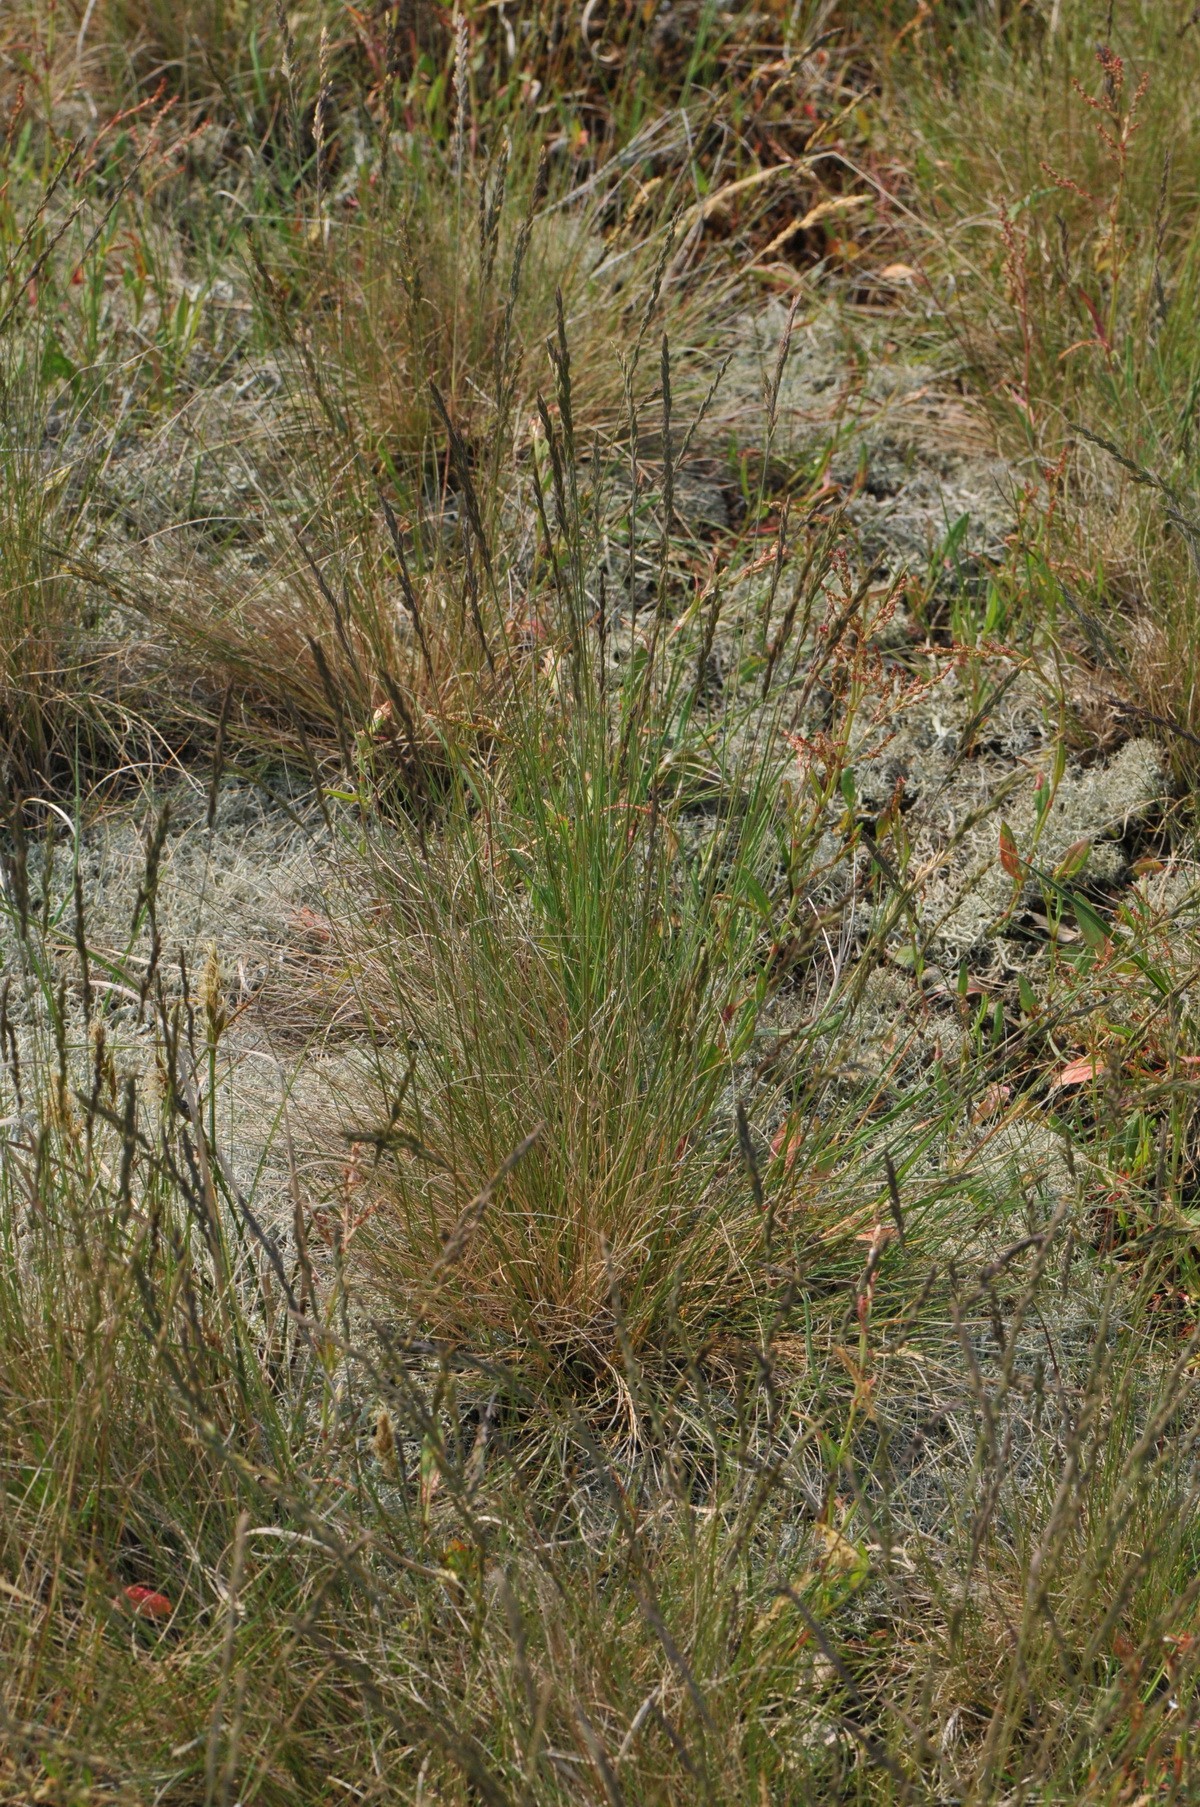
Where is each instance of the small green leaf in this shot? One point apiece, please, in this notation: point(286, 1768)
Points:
point(1060, 763)
point(1026, 995)
point(755, 894)
point(1091, 926)
point(55, 362)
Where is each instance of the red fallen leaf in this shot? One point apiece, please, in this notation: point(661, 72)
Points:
point(1073, 860)
point(1078, 1072)
point(526, 630)
point(308, 922)
point(148, 1604)
point(878, 1236)
point(788, 1141)
point(974, 990)
point(1010, 859)
point(383, 725)
point(993, 1100)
